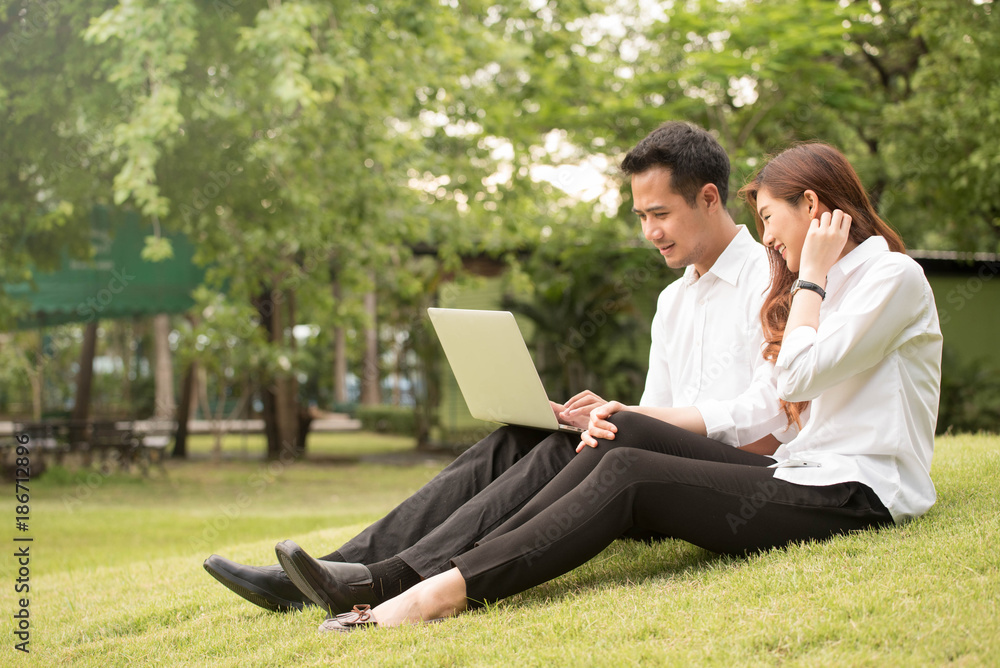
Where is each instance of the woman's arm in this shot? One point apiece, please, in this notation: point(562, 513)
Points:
point(764, 446)
point(869, 322)
point(823, 246)
point(687, 417)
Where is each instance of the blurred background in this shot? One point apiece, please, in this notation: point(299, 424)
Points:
point(230, 216)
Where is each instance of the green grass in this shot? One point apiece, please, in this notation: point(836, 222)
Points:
point(117, 580)
point(321, 445)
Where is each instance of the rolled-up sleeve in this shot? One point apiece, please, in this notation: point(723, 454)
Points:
point(753, 414)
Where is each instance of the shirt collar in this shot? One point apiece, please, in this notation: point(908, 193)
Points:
point(730, 263)
point(864, 251)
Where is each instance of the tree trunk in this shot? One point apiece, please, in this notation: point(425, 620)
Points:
point(281, 419)
point(397, 385)
point(339, 354)
point(84, 382)
point(265, 309)
point(125, 339)
point(184, 413)
point(426, 347)
point(370, 392)
point(85, 374)
point(286, 390)
point(38, 379)
point(163, 369)
point(270, 422)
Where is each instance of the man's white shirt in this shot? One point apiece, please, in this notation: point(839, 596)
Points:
point(707, 343)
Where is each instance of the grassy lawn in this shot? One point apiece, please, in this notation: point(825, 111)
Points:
point(116, 577)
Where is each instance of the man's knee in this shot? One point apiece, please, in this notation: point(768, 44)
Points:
point(556, 450)
point(498, 443)
point(505, 446)
point(617, 468)
point(621, 460)
point(618, 463)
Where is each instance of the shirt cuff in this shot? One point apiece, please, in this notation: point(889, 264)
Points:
point(794, 344)
point(719, 425)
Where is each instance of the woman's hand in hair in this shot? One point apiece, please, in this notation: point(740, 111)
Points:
point(599, 427)
point(823, 245)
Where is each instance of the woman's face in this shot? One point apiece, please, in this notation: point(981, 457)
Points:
point(785, 225)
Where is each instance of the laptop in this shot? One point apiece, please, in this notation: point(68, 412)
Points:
point(493, 368)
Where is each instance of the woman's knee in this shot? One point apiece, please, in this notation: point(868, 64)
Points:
point(633, 428)
point(632, 422)
point(637, 430)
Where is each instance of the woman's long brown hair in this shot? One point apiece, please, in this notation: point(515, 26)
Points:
point(824, 170)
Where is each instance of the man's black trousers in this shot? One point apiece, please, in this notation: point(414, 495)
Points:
point(471, 497)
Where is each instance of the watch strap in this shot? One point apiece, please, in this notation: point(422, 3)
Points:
point(799, 284)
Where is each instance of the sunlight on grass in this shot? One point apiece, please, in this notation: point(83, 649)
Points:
point(117, 580)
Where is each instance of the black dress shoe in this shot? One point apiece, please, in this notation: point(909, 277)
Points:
point(266, 586)
point(336, 587)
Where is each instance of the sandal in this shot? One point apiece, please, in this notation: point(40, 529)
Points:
point(359, 617)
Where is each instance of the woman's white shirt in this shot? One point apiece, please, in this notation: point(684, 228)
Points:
point(872, 371)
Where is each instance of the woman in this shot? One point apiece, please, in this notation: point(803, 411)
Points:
point(852, 331)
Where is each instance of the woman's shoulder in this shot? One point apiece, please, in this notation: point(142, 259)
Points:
point(894, 263)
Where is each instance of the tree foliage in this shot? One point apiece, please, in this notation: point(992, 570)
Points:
point(299, 141)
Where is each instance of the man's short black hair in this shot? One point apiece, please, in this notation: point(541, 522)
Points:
point(692, 155)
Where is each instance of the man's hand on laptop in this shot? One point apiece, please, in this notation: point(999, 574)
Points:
point(576, 411)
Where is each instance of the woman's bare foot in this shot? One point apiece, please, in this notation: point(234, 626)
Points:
point(440, 596)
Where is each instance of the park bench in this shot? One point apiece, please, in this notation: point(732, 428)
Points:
point(113, 443)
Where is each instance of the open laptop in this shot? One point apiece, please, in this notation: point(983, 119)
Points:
point(493, 368)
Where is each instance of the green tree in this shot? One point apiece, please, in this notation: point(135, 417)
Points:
point(291, 138)
point(51, 140)
point(944, 154)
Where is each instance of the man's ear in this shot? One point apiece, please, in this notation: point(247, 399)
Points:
point(709, 194)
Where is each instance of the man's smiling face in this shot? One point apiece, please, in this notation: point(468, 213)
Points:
point(678, 230)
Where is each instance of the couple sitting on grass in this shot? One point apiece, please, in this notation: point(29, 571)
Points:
point(792, 395)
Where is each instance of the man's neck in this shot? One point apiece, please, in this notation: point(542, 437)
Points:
point(725, 230)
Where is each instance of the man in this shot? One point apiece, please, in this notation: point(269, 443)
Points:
point(705, 364)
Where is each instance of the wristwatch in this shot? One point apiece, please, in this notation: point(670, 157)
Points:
point(799, 284)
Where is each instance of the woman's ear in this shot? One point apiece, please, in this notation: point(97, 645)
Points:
point(813, 205)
